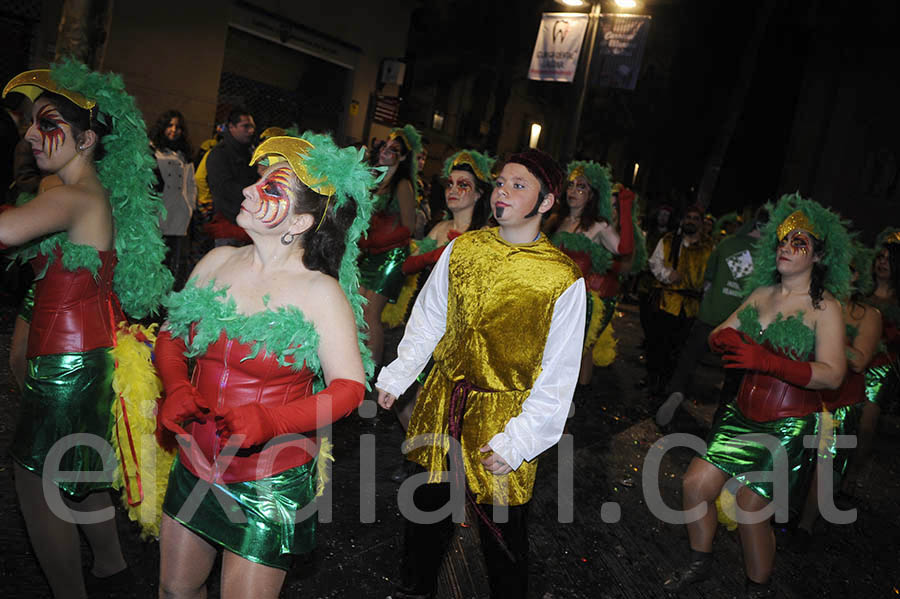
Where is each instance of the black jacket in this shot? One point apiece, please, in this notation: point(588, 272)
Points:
point(228, 172)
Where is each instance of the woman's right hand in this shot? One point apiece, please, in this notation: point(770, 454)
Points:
point(183, 403)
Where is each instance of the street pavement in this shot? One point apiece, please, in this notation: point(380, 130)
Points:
point(601, 541)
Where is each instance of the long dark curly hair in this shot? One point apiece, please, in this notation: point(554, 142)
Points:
point(482, 208)
point(323, 243)
point(403, 167)
point(893, 250)
point(158, 137)
point(588, 214)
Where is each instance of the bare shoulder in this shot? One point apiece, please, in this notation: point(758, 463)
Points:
point(829, 309)
point(760, 294)
point(212, 262)
point(330, 301)
point(440, 230)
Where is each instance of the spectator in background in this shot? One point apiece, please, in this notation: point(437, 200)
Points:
point(678, 264)
point(728, 266)
point(228, 172)
point(201, 241)
point(175, 182)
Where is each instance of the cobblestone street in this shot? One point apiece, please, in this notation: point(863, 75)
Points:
point(591, 556)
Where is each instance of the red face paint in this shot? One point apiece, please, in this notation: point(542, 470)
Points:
point(798, 243)
point(50, 126)
point(273, 197)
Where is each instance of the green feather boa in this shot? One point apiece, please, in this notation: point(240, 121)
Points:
point(126, 172)
point(283, 332)
point(788, 335)
point(601, 258)
point(831, 230)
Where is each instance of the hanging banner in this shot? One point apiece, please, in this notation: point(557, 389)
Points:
point(620, 48)
point(558, 45)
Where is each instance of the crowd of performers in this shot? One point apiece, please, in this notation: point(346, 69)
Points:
point(271, 341)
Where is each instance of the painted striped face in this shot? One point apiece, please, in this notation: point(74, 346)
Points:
point(50, 125)
point(274, 202)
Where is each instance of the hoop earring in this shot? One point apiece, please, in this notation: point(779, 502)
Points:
point(285, 240)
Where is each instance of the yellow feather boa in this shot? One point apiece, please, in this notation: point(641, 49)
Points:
point(394, 315)
point(142, 472)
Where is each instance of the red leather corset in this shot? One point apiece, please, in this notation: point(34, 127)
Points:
point(852, 391)
point(73, 311)
point(764, 398)
point(221, 376)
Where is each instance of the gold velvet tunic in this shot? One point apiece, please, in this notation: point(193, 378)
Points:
point(499, 309)
point(685, 294)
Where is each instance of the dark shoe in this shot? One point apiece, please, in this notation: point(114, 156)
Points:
point(756, 590)
point(121, 582)
point(697, 571)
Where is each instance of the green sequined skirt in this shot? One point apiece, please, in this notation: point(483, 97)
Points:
point(64, 395)
point(882, 384)
point(844, 421)
point(254, 519)
point(382, 272)
point(738, 457)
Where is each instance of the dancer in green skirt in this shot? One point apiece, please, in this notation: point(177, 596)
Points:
point(788, 336)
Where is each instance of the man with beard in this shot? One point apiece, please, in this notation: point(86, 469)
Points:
point(728, 267)
point(678, 263)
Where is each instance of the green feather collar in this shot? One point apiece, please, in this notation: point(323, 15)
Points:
point(601, 258)
point(787, 335)
point(283, 332)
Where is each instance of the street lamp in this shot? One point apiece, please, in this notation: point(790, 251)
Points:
point(535, 135)
point(593, 24)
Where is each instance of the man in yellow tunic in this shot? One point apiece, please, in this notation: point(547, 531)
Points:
point(503, 316)
point(678, 263)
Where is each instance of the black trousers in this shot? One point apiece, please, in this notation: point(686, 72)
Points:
point(689, 357)
point(668, 334)
point(424, 546)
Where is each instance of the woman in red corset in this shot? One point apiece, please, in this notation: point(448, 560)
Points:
point(599, 237)
point(386, 244)
point(468, 187)
point(788, 336)
point(273, 327)
point(81, 238)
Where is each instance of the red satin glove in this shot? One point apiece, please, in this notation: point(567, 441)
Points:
point(753, 356)
point(182, 401)
point(420, 262)
point(726, 339)
point(258, 424)
point(626, 227)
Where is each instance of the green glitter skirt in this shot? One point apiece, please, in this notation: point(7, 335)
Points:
point(64, 395)
point(882, 384)
point(382, 272)
point(738, 457)
point(254, 519)
point(844, 421)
